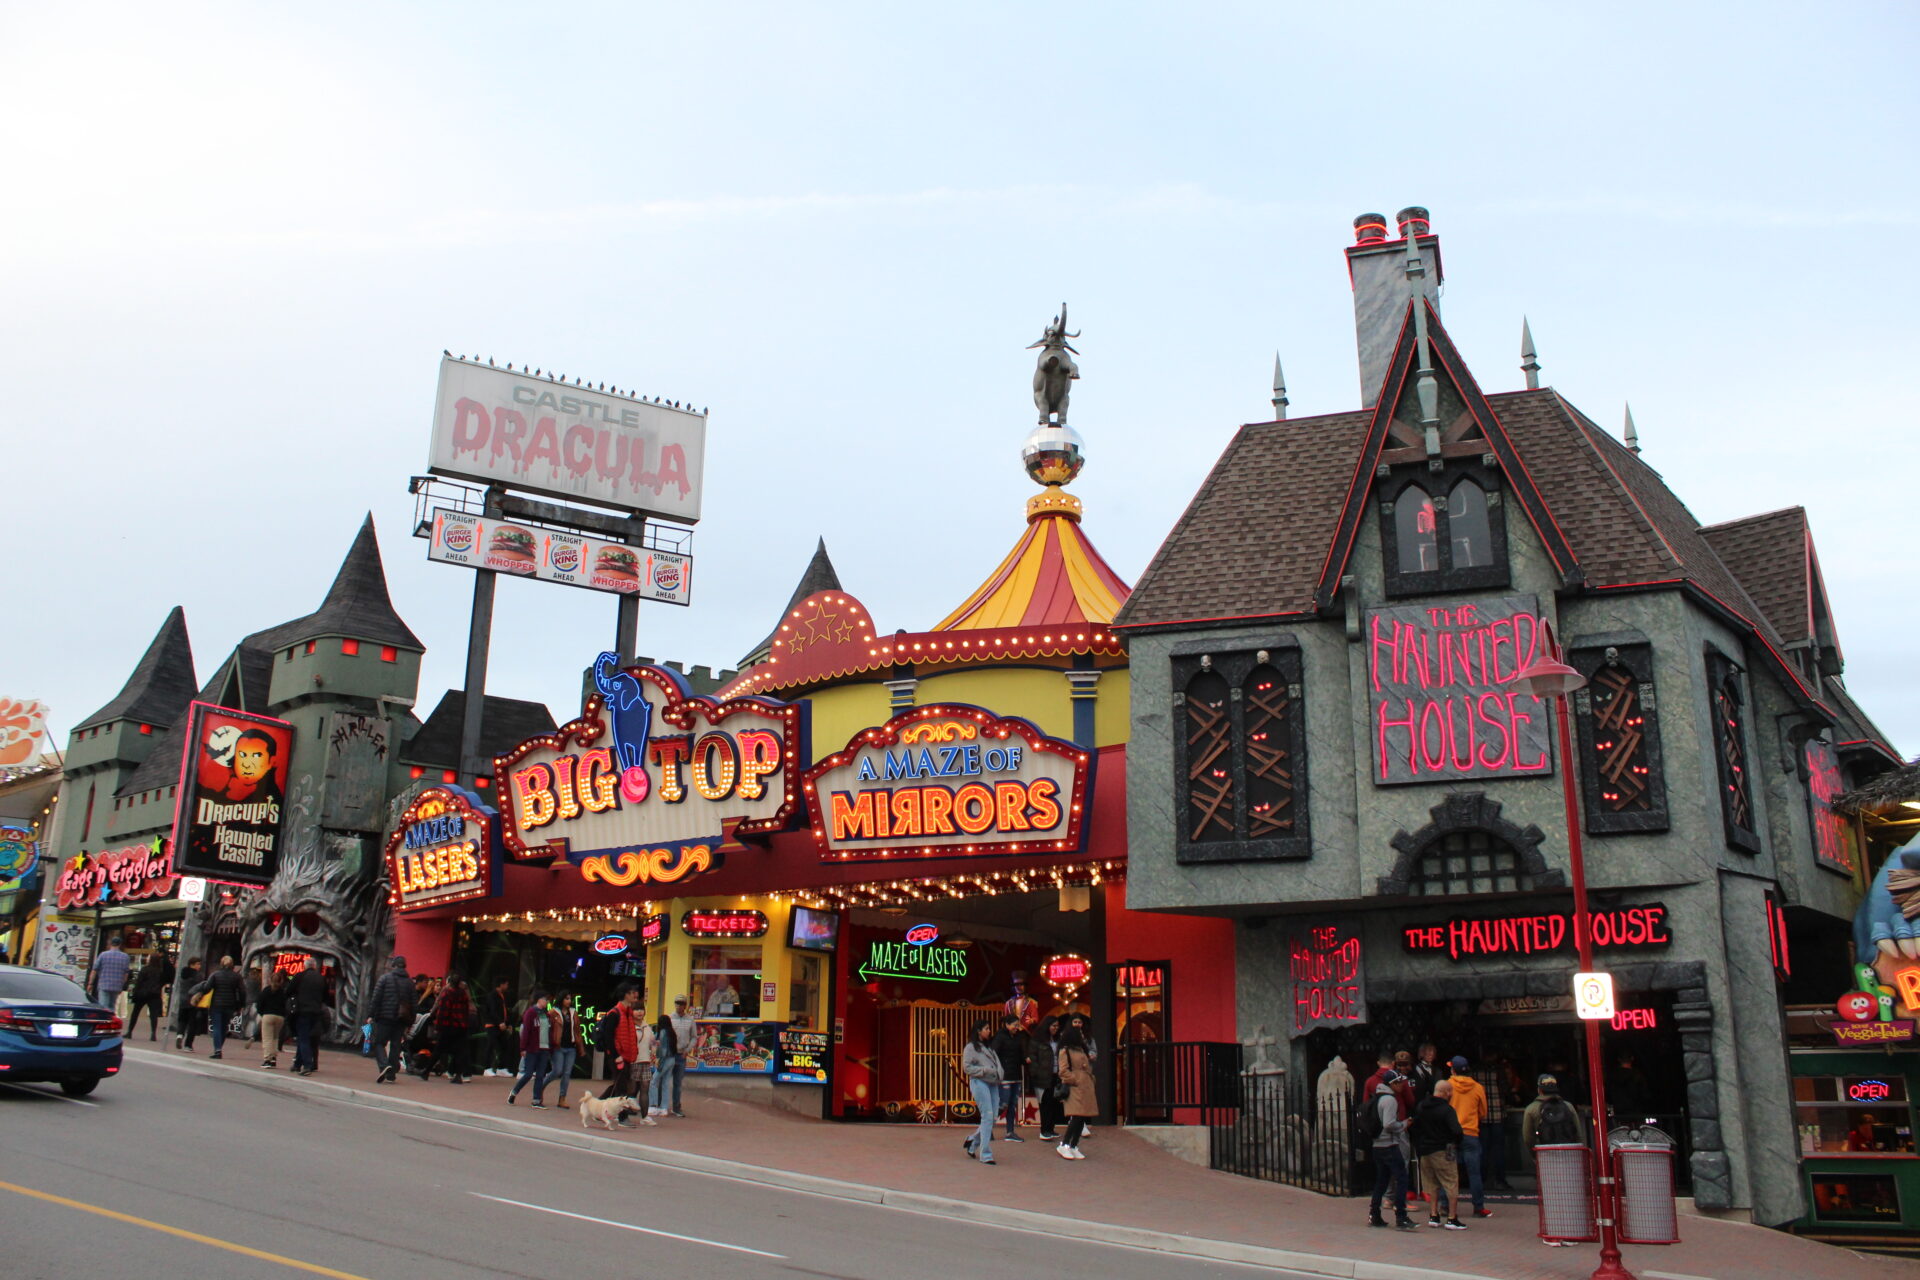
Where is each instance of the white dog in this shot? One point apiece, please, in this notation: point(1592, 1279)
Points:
point(605, 1110)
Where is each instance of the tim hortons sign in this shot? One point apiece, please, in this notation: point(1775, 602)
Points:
point(649, 782)
point(949, 780)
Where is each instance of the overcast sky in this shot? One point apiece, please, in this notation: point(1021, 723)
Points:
point(237, 237)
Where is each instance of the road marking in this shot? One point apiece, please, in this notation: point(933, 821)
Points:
point(42, 1093)
point(628, 1226)
point(210, 1241)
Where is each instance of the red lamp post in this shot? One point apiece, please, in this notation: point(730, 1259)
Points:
point(1549, 677)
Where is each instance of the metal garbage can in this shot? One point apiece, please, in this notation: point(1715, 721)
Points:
point(1566, 1192)
point(1643, 1166)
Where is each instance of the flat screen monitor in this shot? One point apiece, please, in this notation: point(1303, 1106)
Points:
point(812, 930)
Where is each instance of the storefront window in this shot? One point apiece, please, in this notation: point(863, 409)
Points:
point(1857, 1114)
point(803, 996)
point(726, 982)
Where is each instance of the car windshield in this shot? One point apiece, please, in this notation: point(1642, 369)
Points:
point(31, 984)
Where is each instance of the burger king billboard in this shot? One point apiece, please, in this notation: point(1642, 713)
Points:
point(551, 556)
point(538, 435)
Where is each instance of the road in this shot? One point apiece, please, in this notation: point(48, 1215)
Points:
point(253, 1182)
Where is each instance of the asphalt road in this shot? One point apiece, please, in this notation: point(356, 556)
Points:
point(252, 1182)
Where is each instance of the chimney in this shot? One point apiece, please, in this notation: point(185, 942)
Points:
point(1378, 268)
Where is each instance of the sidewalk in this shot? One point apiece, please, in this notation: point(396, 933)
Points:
point(1124, 1187)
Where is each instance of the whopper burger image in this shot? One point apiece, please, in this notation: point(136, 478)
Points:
point(511, 548)
point(619, 566)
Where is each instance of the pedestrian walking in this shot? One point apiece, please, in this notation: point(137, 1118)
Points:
point(271, 1007)
point(452, 1025)
point(496, 1008)
point(1042, 1052)
point(1074, 1067)
point(419, 1059)
point(390, 1010)
point(538, 1034)
point(229, 996)
point(1470, 1104)
point(249, 1019)
point(307, 1002)
point(1010, 1044)
point(1435, 1132)
point(673, 1068)
point(659, 1044)
point(981, 1066)
point(1384, 1125)
point(148, 987)
point(569, 1044)
point(109, 973)
point(631, 1038)
point(189, 1016)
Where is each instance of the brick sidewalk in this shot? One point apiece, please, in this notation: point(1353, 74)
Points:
point(1124, 1181)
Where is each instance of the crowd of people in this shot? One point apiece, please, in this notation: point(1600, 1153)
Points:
point(1051, 1061)
point(1445, 1123)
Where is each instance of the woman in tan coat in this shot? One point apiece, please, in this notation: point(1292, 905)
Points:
point(1075, 1070)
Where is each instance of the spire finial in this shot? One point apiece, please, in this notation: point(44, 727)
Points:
point(1053, 453)
point(1279, 391)
point(1529, 358)
point(1632, 433)
point(1427, 387)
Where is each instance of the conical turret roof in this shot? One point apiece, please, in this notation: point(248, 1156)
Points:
point(1053, 576)
point(357, 604)
point(819, 576)
point(162, 683)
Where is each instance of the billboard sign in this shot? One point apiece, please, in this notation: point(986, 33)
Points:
point(445, 849)
point(116, 876)
point(497, 426)
point(649, 782)
point(22, 721)
point(19, 851)
point(1443, 703)
point(233, 786)
point(570, 559)
point(950, 780)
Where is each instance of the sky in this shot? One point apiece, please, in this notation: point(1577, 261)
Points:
point(238, 237)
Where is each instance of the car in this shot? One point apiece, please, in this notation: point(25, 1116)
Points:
point(52, 1031)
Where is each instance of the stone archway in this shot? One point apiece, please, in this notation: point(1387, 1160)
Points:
point(1466, 811)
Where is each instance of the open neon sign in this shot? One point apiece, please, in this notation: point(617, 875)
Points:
point(1869, 1091)
point(1636, 1019)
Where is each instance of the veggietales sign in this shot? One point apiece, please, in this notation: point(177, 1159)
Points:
point(949, 779)
point(646, 784)
point(445, 849)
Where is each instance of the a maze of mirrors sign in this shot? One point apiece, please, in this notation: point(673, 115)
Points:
point(1442, 699)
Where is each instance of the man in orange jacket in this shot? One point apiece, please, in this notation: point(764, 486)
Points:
point(1470, 1104)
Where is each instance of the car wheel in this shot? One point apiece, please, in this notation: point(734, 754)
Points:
point(79, 1088)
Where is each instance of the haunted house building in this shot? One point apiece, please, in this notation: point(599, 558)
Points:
point(1327, 748)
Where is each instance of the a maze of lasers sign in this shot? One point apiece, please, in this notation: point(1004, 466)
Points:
point(1329, 984)
point(1443, 701)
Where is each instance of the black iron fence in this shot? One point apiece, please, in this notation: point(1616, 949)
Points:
point(1159, 1078)
point(1276, 1129)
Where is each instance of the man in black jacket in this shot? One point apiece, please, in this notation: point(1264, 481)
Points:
point(1436, 1137)
point(503, 1038)
point(390, 1008)
point(229, 997)
point(1009, 1044)
point(307, 998)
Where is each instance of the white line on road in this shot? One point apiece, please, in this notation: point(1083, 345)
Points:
point(628, 1226)
point(42, 1093)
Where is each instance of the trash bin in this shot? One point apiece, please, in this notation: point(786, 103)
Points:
point(1566, 1192)
point(1643, 1165)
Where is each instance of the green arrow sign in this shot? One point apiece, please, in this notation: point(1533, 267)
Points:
point(903, 960)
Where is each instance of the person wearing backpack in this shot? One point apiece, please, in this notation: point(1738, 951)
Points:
point(1383, 1124)
point(1550, 1120)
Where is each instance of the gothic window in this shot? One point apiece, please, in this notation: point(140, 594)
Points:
point(1443, 531)
point(1241, 756)
point(1471, 861)
point(1730, 752)
point(1618, 723)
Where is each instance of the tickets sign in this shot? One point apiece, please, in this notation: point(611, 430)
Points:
point(947, 780)
point(647, 784)
point(551, 556)
point(445, 849)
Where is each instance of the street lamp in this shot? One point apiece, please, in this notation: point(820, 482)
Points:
point(1549, 677)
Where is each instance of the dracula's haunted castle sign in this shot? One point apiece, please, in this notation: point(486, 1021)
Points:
point(1444, 706)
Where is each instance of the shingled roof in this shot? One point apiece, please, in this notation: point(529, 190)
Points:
point(505, 723)
point(161, 768)
point(1770, 555)
point(161, 685)
point(357, 605)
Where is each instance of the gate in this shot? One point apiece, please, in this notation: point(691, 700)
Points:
point(1277, 1130)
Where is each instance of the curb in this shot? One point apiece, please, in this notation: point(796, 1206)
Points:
point(990, 1215)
